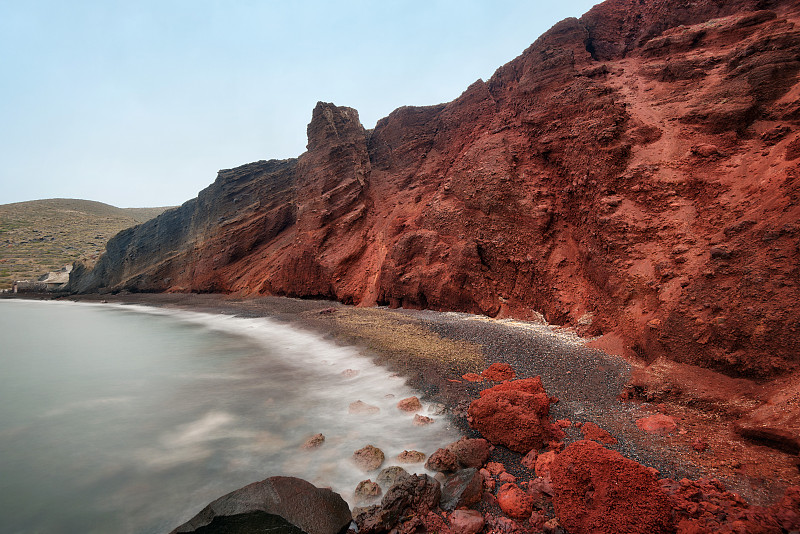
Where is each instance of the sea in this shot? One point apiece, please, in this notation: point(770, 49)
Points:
point(130, 419)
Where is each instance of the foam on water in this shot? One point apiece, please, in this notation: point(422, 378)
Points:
point(217, 403)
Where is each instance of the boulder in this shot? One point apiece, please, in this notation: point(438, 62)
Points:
point(462, 488)
point(466, 522)
point(513, 414)
point(410, 404)
point(389, 476)
point(442, 460)
point(368, 458)
point(600, 491)
point(514, 502)
point(367, 491)
point(283, 505)
point(470, 452)
point(411, 457)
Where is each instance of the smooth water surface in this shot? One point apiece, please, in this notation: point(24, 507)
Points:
point(131, 419)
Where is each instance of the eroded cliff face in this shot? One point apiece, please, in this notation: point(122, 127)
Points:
point(634, 171)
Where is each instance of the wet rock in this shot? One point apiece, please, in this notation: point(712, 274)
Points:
point(314, 442)
point(411, 457)
point(422, 420)
point(462, 488)
point(657, 424)
point(499, 372)
point(442, 460)
point(470, 452)
point(466, 522)
point(368, 458)
point(389, 476)
point(278, 504)
point(350, 373)
point(411, 404)
point(367, 491)
point(514, 414)
point(514, 502)
point(362, 408)
point(600, 491)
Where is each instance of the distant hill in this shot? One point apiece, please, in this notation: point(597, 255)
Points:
point(44, 235)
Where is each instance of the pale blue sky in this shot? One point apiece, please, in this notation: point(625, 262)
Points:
point(139, 103)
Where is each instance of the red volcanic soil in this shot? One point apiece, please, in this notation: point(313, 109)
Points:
point(634, 173)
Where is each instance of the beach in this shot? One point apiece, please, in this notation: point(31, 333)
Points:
point(434, 350)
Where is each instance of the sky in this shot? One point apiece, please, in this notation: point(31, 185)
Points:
point(140, 103)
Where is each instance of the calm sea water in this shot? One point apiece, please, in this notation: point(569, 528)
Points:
point(127, 419)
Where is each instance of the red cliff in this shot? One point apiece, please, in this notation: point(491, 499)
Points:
point(634, 171)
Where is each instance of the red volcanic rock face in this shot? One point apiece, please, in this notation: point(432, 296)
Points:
point(600, 491)
point(632, 172)
point(513, 414)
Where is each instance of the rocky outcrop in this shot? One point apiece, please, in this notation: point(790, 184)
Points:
point(634, 172)
point(277, 504)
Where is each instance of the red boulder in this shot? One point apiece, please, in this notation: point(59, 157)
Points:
point(514, 414)
point(600, 491)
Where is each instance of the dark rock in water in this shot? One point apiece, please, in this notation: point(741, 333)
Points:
point(462, 488)
point(278, 505)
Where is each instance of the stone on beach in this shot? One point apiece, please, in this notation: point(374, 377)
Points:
point(470, 452)
point(514, 502)
point(462, 488)
point(466, 522)
point(442, 460)
point(368, 458)
point(499, 372)
point(410, 404)
point(286, 503)
point(657, 424)
point(513, 414)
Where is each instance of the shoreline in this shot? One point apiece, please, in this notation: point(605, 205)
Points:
point(432, 350)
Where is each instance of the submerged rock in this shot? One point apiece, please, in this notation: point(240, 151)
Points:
point(411, 404)
point(368, 458)
point(279, 505)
